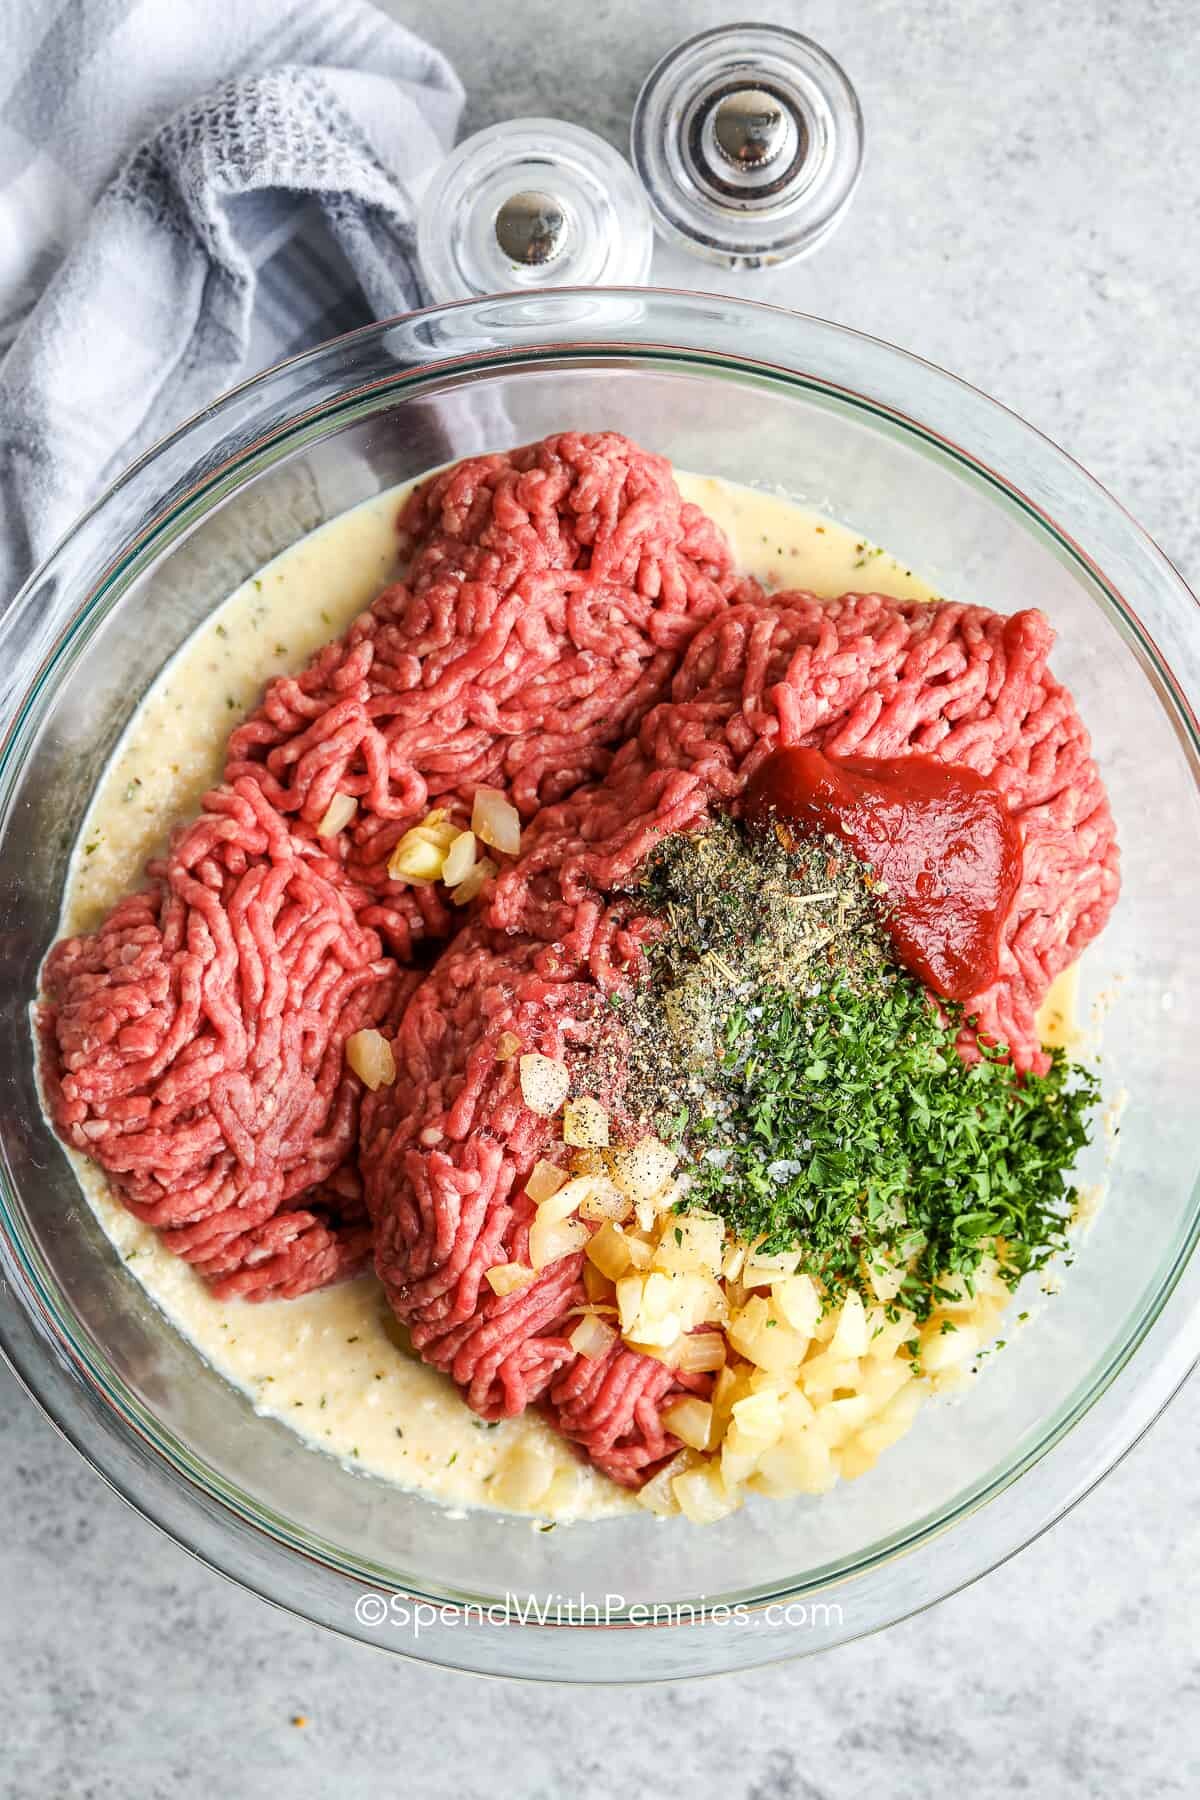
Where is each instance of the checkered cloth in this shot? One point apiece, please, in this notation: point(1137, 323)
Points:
point(272, 211)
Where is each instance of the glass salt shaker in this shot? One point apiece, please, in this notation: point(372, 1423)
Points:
point(533, 203)
point(749, 143)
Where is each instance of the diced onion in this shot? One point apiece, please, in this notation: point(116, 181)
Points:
point(647, 1214)
point(585, 1124)
point(338, 814)
point(565, 1200)
point(644, 1171)
point(886, 1278)
point(421, 852)
point(438, 828)
point(597, 1285)
point(506, 1278)
point(507, 1045)
point(748, 1322)
point(460, 859)
point(889, 1425)
point(758, 1416)
point(797, 1465)
point(702, 1495)
point(798, 1302)
point(827, 1324)
point(592, 1337)
point(739, 1455)
point(882, 1384)
point(590, 1162)
point(657, 1496)
point(608, 1251)
point(604, 1201)
point(838, 1419)
point(496, 821)
point(641, 1253)
point(759, 1334)
point(523, 1478)
point(852, 1336)
point(731, 1266)
point(727, 1388)
point(690, 1421)
point(854, 1459)
point(648, 1310)
point(370, 1056)
point(465, 892)
point(822, 1375)
point(886, 1338)
point(415, 859)
point(692, 1241)
point(698, 1299)
point(761, 1271)
point(545, 1179)
point(629, 1301)
point(946, 1349)
point(701, 1352)
point(551, 1239)
point(545, 1084)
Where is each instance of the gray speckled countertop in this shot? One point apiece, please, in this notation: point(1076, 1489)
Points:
point(1030, 219)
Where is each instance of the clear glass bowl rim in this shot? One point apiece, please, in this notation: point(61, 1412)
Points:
point(99, 1416)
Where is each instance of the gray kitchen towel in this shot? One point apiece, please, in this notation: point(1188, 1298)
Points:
point(188, 192)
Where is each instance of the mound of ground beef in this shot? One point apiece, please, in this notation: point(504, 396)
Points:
point(446, 1152)
point(194, 1046)
point(572, 633)
point(549, 596)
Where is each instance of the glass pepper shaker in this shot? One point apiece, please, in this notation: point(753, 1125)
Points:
point(749, 143)
point(533, 203)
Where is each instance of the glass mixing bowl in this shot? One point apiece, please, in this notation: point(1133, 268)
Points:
point(984, 508)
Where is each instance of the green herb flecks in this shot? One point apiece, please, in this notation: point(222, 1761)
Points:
point(855, 1132)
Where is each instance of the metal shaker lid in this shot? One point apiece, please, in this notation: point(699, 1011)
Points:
point(749, 143)
point(533, 203)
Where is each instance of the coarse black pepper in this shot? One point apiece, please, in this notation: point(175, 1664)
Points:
point(745, 911)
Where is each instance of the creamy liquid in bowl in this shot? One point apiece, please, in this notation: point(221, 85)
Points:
point(327, 1365)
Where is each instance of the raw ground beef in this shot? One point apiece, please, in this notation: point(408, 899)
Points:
point(568, 631)
point(193, 1046)
point(549, 596)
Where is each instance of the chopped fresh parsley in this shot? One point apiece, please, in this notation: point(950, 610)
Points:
point(851, 1126)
